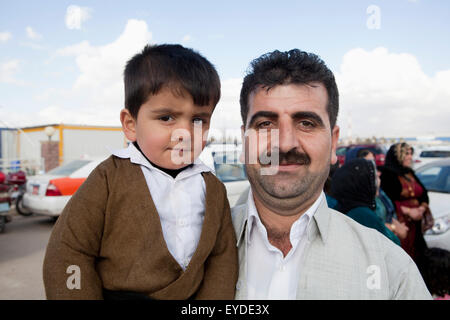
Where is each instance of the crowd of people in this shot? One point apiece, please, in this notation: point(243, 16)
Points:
point(392, 200)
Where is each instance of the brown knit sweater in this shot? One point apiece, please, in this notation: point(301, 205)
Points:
point(111, 230)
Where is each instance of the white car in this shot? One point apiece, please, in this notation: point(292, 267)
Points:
point(48, 193)
point(435, 176)
point(430, 154)
point(224, 160)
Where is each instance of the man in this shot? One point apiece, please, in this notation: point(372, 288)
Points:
point(291, 245)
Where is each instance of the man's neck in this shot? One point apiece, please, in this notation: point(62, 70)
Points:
point(278, 225)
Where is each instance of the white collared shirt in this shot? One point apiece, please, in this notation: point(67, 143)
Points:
point(180, 203)
point(271, 276)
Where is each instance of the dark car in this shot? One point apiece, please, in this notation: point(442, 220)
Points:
point(347, 153)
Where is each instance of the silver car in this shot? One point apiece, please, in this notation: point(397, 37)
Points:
point(435, 176)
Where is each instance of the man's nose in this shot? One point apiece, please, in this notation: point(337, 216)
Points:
point(288, 138)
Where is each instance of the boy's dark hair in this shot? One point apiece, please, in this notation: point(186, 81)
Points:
point(291, 67)
point(172, 66)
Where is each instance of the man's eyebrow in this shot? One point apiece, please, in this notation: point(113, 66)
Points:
point(297, 115)
point(309, 115)
point(262, 114)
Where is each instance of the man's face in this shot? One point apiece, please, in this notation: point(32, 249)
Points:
point(306, 145)
point(169, 129)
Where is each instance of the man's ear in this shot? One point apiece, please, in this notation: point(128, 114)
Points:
point(334, 143)
point(128, 124)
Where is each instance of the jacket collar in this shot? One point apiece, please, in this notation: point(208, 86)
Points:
point(320, 226)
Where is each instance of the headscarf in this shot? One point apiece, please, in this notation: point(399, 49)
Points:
point(354, 185)
point(395, 156)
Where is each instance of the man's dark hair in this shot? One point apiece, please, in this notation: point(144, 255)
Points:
point(172, 66)
point(291, 67)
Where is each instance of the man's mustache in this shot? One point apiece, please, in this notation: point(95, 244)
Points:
point(291, 157)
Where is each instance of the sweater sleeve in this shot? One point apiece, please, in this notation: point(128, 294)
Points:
point(69, 265)
point(221, 267)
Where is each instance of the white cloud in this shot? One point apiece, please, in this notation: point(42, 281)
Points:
point(5, 36)
point(187, 38)
point(226, 118)
point(8, 70)
point(33, 35)
point(96, 96)
point(388, 94)
point(75, 16)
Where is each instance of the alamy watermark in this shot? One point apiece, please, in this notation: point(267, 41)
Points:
point(374, 20)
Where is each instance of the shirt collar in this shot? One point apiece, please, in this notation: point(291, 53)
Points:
point(255, 221)
point(136, 157)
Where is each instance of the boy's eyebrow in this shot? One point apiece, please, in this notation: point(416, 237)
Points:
point(202, 114)
point(166, 111)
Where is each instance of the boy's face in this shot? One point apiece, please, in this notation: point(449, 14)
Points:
point(169, 129)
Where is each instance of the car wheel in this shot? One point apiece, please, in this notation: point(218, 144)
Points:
point(20, 208)
point(2, 223)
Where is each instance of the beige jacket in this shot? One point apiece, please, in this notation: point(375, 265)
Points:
point(343, 260)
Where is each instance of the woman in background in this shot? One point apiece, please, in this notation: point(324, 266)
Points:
point(354, 186)
point(410, 198)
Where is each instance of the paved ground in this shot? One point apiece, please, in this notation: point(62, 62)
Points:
point(22, 249)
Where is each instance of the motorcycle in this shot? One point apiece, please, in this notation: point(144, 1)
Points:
point(18, 181)
point(5, 202)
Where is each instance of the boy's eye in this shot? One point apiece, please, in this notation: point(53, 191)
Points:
point(198, 121)
point(165, 118)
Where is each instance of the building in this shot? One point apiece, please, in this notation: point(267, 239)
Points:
point(30, 146)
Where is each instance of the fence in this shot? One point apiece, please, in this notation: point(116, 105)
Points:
point(30, 166)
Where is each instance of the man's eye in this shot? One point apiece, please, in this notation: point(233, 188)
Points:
point(306, 124)
point(264, 124)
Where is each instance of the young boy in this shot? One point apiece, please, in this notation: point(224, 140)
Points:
point(150, 222)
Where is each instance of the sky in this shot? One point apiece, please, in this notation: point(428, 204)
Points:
point(62, 61)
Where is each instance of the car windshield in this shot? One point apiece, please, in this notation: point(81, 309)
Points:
point(341, 151)
point(69, 168)
point(435, 154)
point(228, 167)
point(435, 178)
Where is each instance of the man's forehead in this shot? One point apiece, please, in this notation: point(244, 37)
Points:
point(313, 94)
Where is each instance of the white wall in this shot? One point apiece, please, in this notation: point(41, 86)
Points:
point(90, 143)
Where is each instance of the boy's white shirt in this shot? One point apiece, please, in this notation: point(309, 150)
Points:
point(180, 202)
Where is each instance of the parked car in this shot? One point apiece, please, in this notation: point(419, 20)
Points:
point(224, 160)
point(378, 150)
point(340, 153)
point(346, 153)
point(430, 154)
point(435, 176)
point(48, 193)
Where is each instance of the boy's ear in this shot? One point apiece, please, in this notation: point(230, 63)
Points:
point(128, 125)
